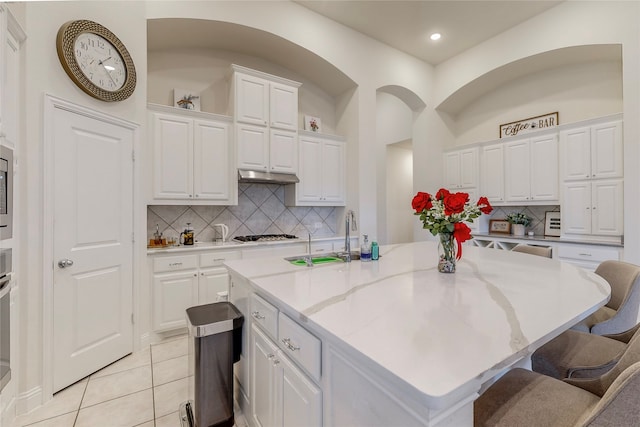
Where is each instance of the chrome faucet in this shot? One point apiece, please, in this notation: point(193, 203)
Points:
point(307, 258)
point(349, 221)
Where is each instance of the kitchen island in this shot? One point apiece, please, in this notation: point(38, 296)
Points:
point(398, 342)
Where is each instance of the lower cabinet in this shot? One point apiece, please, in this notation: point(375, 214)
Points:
point(173, 293)
point(281, 394)
point(183, 281)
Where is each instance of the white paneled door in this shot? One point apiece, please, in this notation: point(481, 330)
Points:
point(92, 244)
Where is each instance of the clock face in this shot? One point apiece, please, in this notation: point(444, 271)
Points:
point(100, 61)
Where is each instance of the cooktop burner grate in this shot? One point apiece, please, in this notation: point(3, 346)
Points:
point(264, 237)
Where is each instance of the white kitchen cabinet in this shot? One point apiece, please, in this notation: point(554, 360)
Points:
point(593, 207)
point(281, 394)
point(193, 157)
point(531, 169)
point(265, 109)
point(492, 172)
point(321, 170)
point(461, 169)
point(592, 152)
point(173, 293)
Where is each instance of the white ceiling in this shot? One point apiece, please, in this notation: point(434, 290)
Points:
point(407, 25)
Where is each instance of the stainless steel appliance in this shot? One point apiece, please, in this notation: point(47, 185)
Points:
point(5, 317)
point(6, 192)
point(264, 237)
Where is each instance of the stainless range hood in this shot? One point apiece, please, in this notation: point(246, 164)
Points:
point(250, 176)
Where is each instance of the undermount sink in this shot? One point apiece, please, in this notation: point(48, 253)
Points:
point(322, 259)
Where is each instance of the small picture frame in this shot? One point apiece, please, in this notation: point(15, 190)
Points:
point(186, 99)
point(552, 224)
point(312, 123)
point(499, 226)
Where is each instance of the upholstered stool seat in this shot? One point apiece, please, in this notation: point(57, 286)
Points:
point(576, 354)
point(621, 312)
point(543, 251)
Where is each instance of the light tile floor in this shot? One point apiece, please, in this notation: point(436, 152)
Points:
point(144, 389)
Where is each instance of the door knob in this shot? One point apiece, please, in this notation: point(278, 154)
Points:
point(64, 263)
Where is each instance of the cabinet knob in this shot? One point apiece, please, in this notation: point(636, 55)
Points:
point(197, 195)
point(594, 208)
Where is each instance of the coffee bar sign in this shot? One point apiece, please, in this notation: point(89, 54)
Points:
point(531, 124)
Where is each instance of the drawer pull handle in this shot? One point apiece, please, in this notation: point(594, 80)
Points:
point(257, 315)
point(218, 259)
point(175, 264)
point(287, 342)
point(270, 356)
point(584, 254)
point(275, 362)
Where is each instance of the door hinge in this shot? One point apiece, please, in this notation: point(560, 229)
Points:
point(132, 319)
point(133, 155)
point(133, 237)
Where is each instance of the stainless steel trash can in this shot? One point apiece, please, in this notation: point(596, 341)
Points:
point(214, 346)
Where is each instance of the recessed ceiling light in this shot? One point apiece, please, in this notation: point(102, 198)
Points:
point(435, 36)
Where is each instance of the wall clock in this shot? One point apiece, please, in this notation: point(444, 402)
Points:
point(96, 60)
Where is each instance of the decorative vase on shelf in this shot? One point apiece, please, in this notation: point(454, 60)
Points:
point(447, 253)
point(518, 229)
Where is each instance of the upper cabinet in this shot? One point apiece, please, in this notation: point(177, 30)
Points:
point(265, 110)
point(193, 157)
point(461, 169)
point(592, 152)
point(531, 169)
point(322, 172)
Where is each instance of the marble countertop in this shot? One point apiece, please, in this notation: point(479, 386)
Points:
point(541, 238)
point(442, 335)
point(206, 246)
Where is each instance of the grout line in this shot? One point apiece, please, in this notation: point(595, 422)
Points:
point(75, 420)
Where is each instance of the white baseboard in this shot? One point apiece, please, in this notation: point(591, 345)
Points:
point(29, 400)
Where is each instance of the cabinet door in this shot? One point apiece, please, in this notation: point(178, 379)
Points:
point(263, 379)
point(283, 111)
point(253, 147)
point(172, 295)
point(283, 149)
point(333, 183)
point(212, 164)
point(309, 189)
point(575, 153)
point(469, 168)
point(211, 282)
point(606, 150)
point(301, 398)
point(576, 208)
point(251, 99)
point(517, 171)
point(544, 168)
point(493, 172)
point(452, 170)
point(607, 206)
point(173, 157)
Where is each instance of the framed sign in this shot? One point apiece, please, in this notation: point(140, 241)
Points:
point(552, 224)
point(531, 124)
point(499, 226)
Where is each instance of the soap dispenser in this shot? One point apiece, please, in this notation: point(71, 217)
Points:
point(365, 249)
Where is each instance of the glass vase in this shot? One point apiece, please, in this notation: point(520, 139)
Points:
point(447, 249)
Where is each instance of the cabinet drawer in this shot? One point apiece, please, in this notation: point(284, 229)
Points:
point(588, 253)
point(300, 345)
point(320, 248)
point(265, 315)
point(214, 259)
point(175, 263)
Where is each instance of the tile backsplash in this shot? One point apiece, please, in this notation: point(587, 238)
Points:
point(536, 213)
point(260, 210)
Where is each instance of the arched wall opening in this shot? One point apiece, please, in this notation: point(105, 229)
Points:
point(396, 110)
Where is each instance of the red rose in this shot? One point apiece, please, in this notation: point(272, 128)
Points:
point(442, 193)
point(486, 207)
point(421, 201)
point(454, 203)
